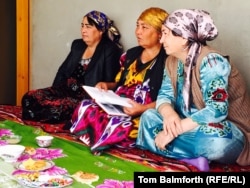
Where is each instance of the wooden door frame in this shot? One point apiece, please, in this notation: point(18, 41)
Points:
point(22, 48)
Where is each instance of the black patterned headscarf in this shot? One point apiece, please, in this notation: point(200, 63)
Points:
point(197, 27)
point(105, 24)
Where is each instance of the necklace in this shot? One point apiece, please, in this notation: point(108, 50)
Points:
point(139, 66)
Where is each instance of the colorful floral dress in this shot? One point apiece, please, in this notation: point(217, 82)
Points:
point(98, 129)
point(216, 138)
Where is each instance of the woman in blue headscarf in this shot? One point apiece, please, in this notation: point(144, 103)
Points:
point(201, 113)
point(92, 59)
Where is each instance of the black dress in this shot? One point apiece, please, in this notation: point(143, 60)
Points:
point(56, 104)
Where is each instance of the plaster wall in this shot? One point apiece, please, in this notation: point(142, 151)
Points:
point(56, 23)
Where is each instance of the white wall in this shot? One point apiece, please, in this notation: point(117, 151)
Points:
point(56, 23)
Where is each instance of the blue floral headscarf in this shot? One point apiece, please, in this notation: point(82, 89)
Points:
point(100, 19)
point(106, 25)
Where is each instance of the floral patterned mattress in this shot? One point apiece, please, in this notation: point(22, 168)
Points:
point(158, 163)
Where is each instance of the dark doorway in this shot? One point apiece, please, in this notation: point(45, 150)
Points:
point(8, 52)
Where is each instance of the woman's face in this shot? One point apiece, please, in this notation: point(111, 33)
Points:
point(147, 36)
point(90, 34)
point(172, 44)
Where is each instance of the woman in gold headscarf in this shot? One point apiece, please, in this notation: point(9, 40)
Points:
point(139, 79)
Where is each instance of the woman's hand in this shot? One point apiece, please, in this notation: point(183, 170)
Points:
point(135, 110)
point(171, 120)
point(106, 85)
point(172, 124)
point(102, 85)
point(162, 139)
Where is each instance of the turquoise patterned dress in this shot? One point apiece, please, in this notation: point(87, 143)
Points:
point(216, 138)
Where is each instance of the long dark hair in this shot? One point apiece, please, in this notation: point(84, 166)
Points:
point(93, 23)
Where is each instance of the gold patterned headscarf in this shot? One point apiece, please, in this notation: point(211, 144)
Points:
point(154, 16)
